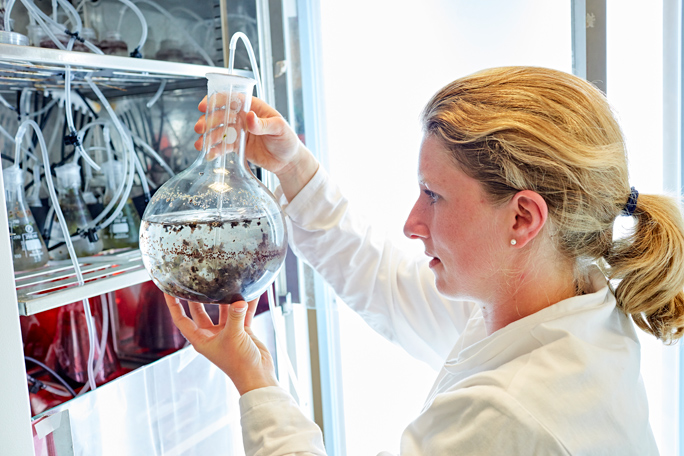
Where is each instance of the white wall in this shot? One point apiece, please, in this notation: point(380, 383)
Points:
point(382, 60)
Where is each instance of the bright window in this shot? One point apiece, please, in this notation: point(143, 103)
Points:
point(379, 68)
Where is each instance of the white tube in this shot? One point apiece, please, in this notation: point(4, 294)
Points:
point(6, 103)
point(43, 109)
point(157, 95)
point(105, 333)
point(252, 58)
point(173, 19)
point(56, 128)
point(8, 11)
point(143, 22)
point(69, 114)
point(128, 144)
point(187, 11)
point(47, 23)
point(70, 247)
point(34, 196)
point(154, 155)
point(143, 177)
point(42, 19)
point(121, 187)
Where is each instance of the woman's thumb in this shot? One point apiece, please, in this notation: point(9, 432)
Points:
point(263, 126)
point(236, 317)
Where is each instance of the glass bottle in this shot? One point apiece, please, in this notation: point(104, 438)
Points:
point(68, 353)
point(28, 248)
point(214, 233)
point(113, 44)
point(169, 51)
point(75, 213)
point(123, 232)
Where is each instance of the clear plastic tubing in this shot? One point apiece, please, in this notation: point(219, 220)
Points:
point(125, 138)
point(154, 154)
point(119, 190)
point(252, 58)
point(70, 246)
point(157, 95)
point(141, 17)
point(173, 19)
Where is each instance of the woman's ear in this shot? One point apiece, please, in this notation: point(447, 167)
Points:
point(528, 216)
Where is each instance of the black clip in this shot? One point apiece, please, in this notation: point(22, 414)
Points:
point(136, 53)
point(74, 34)
point(91, 234)
point(34, 384)
point(71, 139)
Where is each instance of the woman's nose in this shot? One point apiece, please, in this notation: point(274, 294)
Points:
point(415, 228)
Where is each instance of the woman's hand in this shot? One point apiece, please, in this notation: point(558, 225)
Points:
point(272, 144)
point(230, 345)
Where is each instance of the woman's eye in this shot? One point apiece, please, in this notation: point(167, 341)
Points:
point(431, 195)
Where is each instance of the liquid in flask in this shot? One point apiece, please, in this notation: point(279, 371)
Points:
point(76, 214)
point(123, 232)
point(28, 249)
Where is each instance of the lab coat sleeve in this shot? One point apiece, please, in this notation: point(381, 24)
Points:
point(482, 421)
point(392, 292)
point(273, 425)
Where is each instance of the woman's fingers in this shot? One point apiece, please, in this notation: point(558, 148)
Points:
point(199, 314)
point(224, 311)
point(200, 125)
point(186, 326)
point(251, 310)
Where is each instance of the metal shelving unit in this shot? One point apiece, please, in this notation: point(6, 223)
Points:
point(55, 285)
point(29, 293)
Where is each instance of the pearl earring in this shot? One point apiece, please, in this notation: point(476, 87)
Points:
point(513, 242)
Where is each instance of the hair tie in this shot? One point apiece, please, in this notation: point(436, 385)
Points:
point(630, 207)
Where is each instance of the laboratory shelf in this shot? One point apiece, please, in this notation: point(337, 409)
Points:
point(56, 284)
point(44, 69)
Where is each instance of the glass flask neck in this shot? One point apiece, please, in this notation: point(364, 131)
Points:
point(68, 177)
point(229, 98)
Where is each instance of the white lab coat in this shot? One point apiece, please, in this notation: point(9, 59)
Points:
point(563, 381)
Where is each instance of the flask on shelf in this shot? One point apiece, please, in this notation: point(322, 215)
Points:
point(170, 51)
point(123, 232)
point(112, 44)
point(142, 325)
point(68, 353)
point(75, 213)
point(28, 249)
point(89, 34)
point(214, 233)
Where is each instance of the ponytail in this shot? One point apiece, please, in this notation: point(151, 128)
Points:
point(650, 266)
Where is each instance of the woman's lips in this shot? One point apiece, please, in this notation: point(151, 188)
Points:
point(434, 262)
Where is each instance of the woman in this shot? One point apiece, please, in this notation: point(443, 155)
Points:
point(522, 174)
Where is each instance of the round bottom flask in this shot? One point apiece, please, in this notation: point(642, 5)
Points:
point(214, 233)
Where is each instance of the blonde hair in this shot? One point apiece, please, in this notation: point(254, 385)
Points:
point(528, 128)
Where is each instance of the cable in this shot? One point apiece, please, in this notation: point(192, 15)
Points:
point(53, 373)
